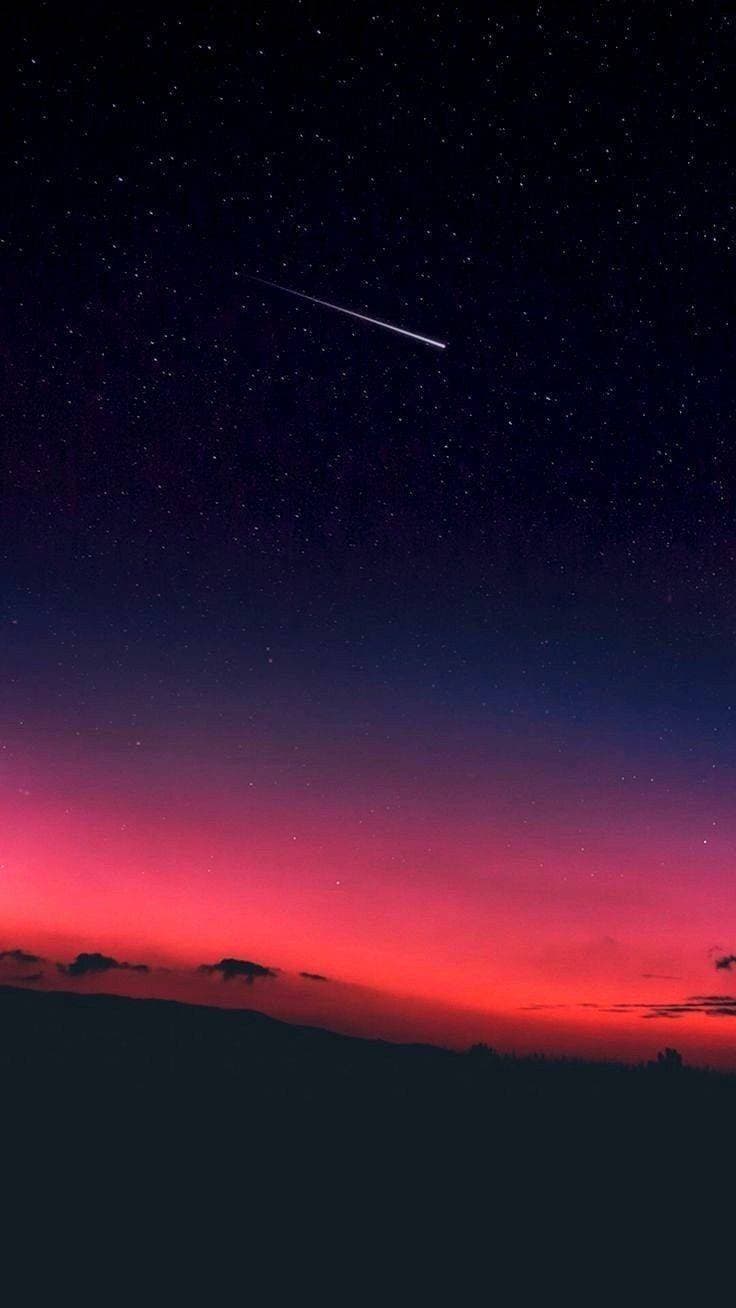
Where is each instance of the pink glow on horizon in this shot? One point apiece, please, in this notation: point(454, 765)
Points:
point(443, 900)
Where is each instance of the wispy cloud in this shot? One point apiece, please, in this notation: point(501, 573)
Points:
point(710, 1005)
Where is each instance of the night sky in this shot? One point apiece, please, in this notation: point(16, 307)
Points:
point(327, 651)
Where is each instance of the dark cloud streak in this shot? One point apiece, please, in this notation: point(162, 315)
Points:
point(709, 1005)
point(96, 964)
point(231, 968)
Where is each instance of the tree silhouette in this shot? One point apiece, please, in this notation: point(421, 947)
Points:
point(482, 1050)
point(670, 1060)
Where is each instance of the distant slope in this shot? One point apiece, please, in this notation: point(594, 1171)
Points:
point(163, 1104)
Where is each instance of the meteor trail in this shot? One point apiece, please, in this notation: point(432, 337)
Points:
point(414, 336)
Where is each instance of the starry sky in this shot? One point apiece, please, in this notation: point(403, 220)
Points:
point(329, 652)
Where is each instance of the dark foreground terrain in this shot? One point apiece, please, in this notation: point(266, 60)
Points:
point(152, 1110)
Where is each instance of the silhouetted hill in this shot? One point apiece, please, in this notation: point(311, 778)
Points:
point(163, 1113)
point(100, 1054)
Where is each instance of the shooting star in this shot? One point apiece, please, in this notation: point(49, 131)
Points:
point(376, 322)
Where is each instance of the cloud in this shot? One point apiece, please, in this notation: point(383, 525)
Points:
point(314, 976)
point(709, 1005)
point(536, 1008)
point(89, 964)
point(659, 976)
point(19, 956)
point(725, 963)
point(27, 979)
point(230, 968)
